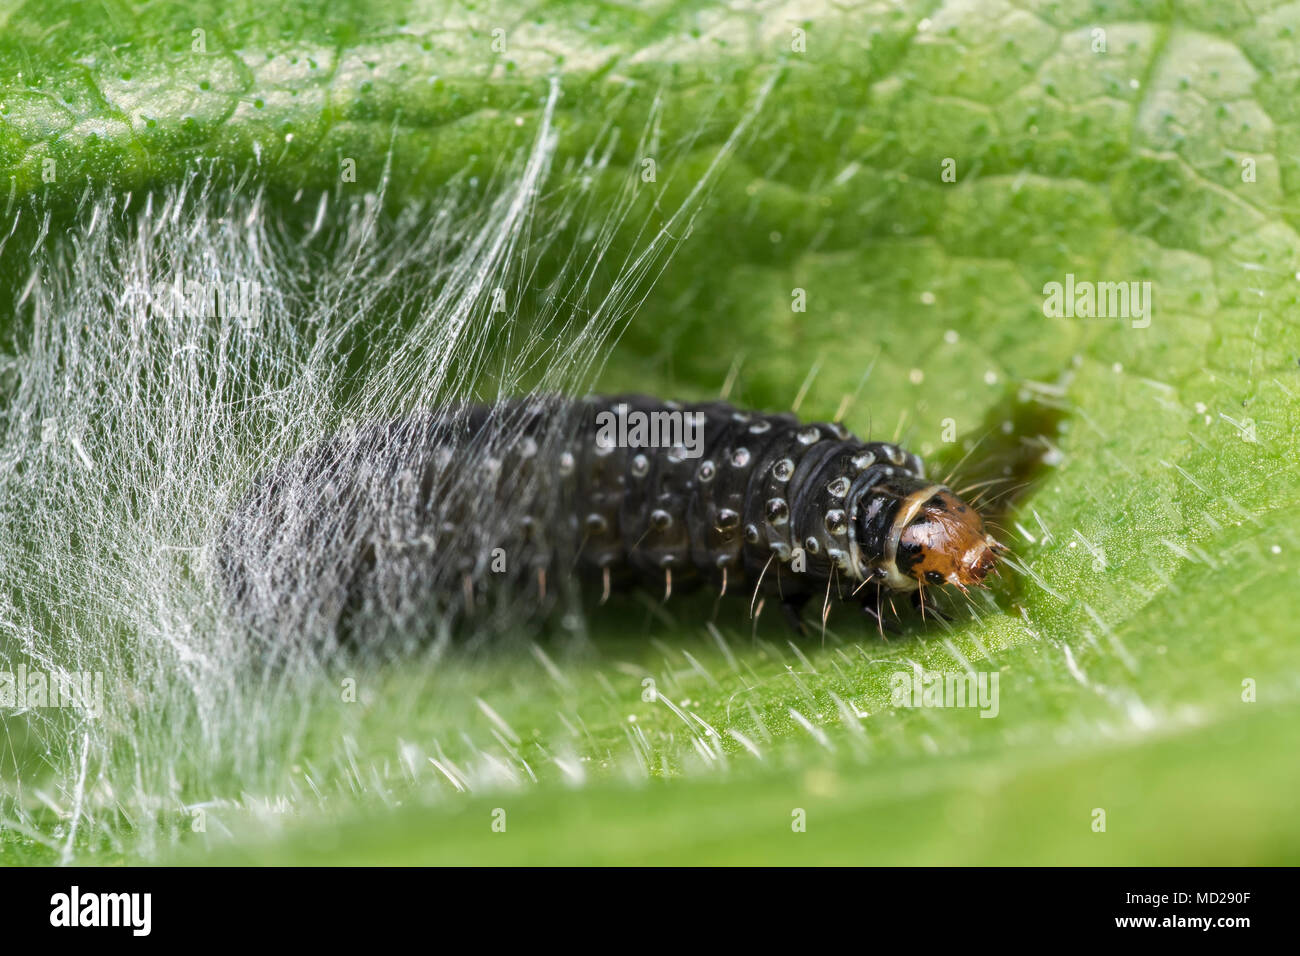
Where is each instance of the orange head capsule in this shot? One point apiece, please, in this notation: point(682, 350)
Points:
point(941, 540)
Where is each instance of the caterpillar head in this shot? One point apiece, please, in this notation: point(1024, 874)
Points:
point(941, 540)
point(923, 534)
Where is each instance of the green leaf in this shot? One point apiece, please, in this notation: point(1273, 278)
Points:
point(1148, 656)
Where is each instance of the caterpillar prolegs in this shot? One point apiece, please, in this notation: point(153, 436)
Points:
point(446, 512)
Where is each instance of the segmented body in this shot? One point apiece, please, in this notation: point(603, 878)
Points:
point(765, 491)
point(436, 511)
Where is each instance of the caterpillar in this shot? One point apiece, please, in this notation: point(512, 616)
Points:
point(441, 510)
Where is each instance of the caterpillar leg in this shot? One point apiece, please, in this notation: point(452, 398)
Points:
point(879, 608)
point(928, 611)
point(792, 606)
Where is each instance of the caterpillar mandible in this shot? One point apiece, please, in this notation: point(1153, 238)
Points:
point(435, 512)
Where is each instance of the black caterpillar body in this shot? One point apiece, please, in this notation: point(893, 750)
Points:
point(438, 513)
